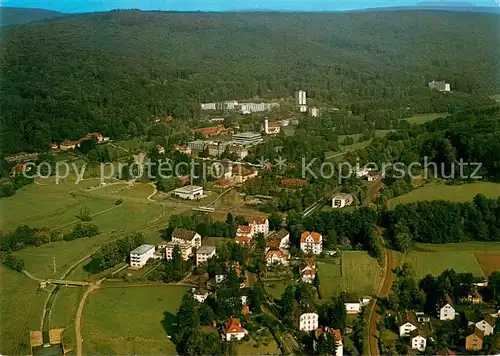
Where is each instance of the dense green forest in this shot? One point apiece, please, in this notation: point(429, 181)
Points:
point(111, 72)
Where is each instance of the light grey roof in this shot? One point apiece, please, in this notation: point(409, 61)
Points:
point(142, 249)
point(188, 189)
point(248, 135)
point(206, 249)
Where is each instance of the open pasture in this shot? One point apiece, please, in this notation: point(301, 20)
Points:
point(455, 193)
point(130, 320)
point(423, 118)
point(434, 259)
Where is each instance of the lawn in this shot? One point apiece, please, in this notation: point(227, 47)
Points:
point(359, 274)
point(456, 193)
point(434, 259)
point(423, 118)
point(64, 310)
point(248, 348)
point(130, 320)
point(275, 289)
point(21, 305)
point(39, 261)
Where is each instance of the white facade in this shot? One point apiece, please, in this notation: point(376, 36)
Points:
point(311, 243)
point(204, 253)
point(186, 250)
point(195, 241)
point(301, 97)
point(314, 112)
point(141, 255)
point(406, 329)
point(447, 312)
point(219, 278)
point(190, 192)
point(276, 257)
point(419, 343)
point(200, 295)
point(208, 106)
point(236, 335)
point(303, 108)
point(484, 326)
point(308, 322)
point(272, 129)
point(352, 308)
point(259, 226)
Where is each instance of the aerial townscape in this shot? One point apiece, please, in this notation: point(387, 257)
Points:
point(205, 181)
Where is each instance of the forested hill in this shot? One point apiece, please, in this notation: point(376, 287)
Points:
point(18, 16)
point(111, 71)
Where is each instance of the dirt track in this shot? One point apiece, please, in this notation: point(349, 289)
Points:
point(383, 291)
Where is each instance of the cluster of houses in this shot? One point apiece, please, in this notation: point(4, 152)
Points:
point(242, 108)
point(416, 326)
point(71, 145)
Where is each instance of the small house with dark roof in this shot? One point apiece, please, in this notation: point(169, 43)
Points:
point(418, 340)
point(447, 310)
point(407, 323)
point(487, 325)
point(186, 236)
point(474, 342)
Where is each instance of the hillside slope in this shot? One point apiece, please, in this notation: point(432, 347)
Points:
point(18, 16)
point(110, 71)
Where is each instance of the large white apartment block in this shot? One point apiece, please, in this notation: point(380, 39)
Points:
point(208, 106)
point(259, 225)
point(308, 322)
point(301, 97)
point(204, 253)
point(141, 255)
point(311, 242)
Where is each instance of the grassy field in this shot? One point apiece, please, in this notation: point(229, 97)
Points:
point(275, 289)
point(21, 311)
point(248, 348)
point(423, 118)
point(130, 320)
point(457, 193)
point(359, 273)
point(434, 259)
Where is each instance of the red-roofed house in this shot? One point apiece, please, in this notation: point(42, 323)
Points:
point(244, 234)
point(259, 225)
point(311, 242)
point(278, 257)
point(308, 270)
point(233, 330)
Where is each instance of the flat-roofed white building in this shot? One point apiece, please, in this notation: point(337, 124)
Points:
point(204, 253)
point(190, 192)
point(208, 106)
point(247, 139)
point(308, 322)
point(141, 255)
point(342, 200)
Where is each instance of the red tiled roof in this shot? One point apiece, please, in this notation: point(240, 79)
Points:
point(210, 131)
point(308, 262)
point(258, 221)
point(233, 325)
point(293, 182)
point(244, 229)
point(316, 236)
point(278, 253)
point(242, 239)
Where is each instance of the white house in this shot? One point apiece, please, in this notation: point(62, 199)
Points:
point(278, 257)
point(185, 248)
point(447, 311)
point(335, 334)
point(408, 323)
point(352, 307)
point(186, 236)
point(190, 192)
point(233, 330)
point(278, 239)
point(141, 255)
point(314, 112)
point(308, 270)
point(259, 225)
point(487, 325)
point(418, 340)
point(308, 322)
point(311, 242)
point(342, 200)
point(200, 294)
point(204, 253)
point(272, 128)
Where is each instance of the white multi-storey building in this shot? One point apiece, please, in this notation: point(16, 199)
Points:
point(208, 106)
point(259, 225)
point(204, 253)
point(141, 255)
point(308, 322)
point(301, 97)
point(311, 242)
